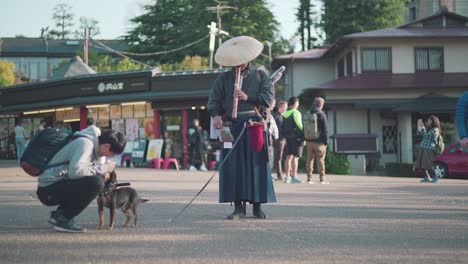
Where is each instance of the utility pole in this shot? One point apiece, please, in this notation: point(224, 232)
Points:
point(220, 9)
point(213, 32)
point(85, 46)
point(212, 28)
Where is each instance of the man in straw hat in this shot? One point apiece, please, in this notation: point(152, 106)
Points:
point(245, 176)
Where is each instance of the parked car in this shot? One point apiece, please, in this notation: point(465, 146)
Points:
point(453, 162)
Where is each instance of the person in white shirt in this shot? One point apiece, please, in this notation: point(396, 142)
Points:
point(20, 140)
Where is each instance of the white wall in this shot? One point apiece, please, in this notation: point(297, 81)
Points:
point(455, 52)
point(309, 73)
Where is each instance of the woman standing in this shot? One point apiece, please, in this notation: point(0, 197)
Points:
point(430, 133)
point(20, 139)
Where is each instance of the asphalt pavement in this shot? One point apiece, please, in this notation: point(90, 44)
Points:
point(355, 219)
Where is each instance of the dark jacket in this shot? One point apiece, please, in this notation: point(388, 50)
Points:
point(322, 126)
point(279, 123)
point(461, 115)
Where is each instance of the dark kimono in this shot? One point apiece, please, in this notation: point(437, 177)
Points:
point(245, 175)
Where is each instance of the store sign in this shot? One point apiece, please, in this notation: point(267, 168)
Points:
point(102, 87)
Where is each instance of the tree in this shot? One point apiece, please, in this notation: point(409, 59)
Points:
point(307, 17)
point(7, 73)
point(170, 24)
point(189, 63)
point(63, 21)
point(89, 24)
point(342, 17)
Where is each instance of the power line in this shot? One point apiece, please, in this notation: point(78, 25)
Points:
point(104, 47)
point(154, 53)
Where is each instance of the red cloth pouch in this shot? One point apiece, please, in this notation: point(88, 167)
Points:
point(256, 136)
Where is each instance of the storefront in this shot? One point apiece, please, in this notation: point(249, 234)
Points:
point(140, 104)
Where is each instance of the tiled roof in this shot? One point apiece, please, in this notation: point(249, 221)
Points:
point(379, 81)
point(308, 54)
point(75, 67)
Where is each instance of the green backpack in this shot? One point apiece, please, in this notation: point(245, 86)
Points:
point(440, 145)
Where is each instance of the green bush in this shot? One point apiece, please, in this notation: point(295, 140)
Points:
point(334, 163)
point(399, 169)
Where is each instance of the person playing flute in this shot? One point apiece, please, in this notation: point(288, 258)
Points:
point(245, 176)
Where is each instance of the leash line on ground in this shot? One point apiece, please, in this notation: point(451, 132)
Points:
point(211, 178)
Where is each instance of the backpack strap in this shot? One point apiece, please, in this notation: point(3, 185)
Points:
point(65, 162)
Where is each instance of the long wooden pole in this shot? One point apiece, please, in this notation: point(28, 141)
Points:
point(237, 86)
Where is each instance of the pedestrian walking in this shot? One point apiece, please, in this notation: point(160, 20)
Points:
point(430, 132)
point(20, 139)
point(316, 137)
point(199, 147)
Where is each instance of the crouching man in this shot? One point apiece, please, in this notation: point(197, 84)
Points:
point(76, 184)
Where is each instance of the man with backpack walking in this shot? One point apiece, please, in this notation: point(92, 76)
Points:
point(74, 176)
point(316, 136)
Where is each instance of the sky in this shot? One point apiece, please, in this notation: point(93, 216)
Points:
point(27, 17)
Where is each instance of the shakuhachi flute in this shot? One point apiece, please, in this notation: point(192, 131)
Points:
point(237, 86)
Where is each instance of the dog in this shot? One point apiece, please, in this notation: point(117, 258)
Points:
point(125, 198)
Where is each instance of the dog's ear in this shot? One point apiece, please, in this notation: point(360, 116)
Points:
point(113, 176)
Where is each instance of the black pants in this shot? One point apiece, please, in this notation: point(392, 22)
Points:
point(71, 196)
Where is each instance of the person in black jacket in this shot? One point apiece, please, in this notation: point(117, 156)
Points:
point(317, 148)
point(279, 143)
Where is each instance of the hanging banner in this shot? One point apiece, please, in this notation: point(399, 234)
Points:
point(118, 125)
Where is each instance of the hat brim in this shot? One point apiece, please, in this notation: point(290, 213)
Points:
point(237, 51)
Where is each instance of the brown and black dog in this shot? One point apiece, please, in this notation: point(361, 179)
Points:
point(112, 197)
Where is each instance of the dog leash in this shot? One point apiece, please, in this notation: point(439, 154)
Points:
point(209, 180)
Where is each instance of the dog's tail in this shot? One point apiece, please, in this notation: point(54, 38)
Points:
point(143, 200)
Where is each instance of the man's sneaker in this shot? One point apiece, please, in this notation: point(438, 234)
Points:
point(203, 167)
point(68, 225)
point(296, 180)
point(53, 217)
point(192, 168)
point(310, 182)
point(435, 180)
point(426, 179)
point(287, 179)
point(324, 182)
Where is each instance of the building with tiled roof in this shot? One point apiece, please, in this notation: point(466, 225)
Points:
point(378, 83)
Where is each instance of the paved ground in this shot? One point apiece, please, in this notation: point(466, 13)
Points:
point(353, 220)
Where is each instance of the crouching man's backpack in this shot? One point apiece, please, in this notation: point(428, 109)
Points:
point(41, 148)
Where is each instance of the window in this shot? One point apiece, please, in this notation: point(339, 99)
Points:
point(429, 59)
point(376, 59)
point(349, 64)
point(412, 13)
point(341, 68)
point(389, 136)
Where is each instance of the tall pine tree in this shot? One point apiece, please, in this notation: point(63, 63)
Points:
point(169, 24)
point(342, 17)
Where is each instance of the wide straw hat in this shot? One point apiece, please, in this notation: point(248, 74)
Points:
point(238, 50)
